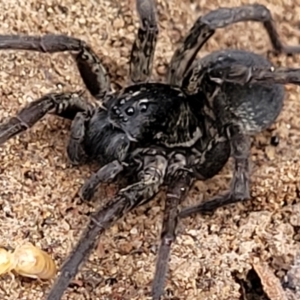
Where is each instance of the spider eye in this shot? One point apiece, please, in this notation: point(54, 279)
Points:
point(122, 101)
point(143, 107)
point(116, 110)
point(130, 111)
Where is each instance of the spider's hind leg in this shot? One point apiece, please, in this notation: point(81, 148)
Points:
point(143, 48)
point(66, 105)
point(89, 64)
point(241, 74)
point(240, 184)
point(205, 27)
point(105, 174)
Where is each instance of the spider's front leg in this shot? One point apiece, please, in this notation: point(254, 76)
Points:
point(150, 180)
point(240, 183)
point(89, 65)
point(143, 48)
point(179, 181)
point(205, 27)
point(66, 105)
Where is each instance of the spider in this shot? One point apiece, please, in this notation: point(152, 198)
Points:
point(161, 133)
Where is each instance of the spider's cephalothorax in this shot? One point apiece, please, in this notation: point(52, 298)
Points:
point(167, 133)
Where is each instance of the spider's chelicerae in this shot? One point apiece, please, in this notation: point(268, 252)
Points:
point(161, 134)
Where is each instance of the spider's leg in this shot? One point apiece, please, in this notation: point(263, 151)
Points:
point(179, 185)
point(89, 65)
point(239, 187)
point(65, 105)
point(75, 148)
point(150, 180)
point(105, 174)
point(205, 27)
point(241, 74)
point(143, 48)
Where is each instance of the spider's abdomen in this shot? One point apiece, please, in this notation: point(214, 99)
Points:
point(253, 106)
point(155, 112)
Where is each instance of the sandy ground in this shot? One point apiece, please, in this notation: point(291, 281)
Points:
point(38, 193)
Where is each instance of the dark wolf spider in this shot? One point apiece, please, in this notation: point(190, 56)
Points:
point(161, 134)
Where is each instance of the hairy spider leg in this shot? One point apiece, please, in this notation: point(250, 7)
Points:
point(93, 73)
point(205, 27)
point(66, 105)
point(143, 48)
point(105, 174)
point(179, 183)
point(239, 188)
point(241, 74)
point(150, 180)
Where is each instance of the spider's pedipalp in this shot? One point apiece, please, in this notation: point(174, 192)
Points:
point(143, 48)
point(180, 183)
point(66, 105)
point(205, 27)
point(150, 180)
point(89, 65)
point(105, 174)
point(75, 147)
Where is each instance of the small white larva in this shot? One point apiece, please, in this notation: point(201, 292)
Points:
point(28, 261)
